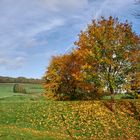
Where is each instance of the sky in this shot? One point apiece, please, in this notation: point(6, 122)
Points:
point(32, 31)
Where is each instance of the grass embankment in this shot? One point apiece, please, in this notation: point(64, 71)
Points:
point(69, 120)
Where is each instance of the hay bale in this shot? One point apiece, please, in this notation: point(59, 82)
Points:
point(18, 88)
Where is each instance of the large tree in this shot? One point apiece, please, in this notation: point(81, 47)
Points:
point(106, 60)
point(109, 50)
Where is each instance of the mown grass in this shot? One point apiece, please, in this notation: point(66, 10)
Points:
point(69, 120)
point(15, 133)
point(30, 116)
point(6, 89)
point(33, 90)
point(117, 96)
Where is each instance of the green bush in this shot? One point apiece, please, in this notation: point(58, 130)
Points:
point(133, 94)
point(18, 88)
point(128, 97)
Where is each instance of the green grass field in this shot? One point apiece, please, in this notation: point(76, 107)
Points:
point(6, 92)
point(29, 116)
point(42, 120)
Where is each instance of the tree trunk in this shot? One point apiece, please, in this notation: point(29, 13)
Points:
point(112, 98)
point(112, 93)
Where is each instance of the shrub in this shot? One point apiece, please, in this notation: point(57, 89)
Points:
point(127, 97)
point(18, 88)
point(133, 94)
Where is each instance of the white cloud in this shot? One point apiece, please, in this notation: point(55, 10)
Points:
point(20, 23)
point(112, 7)
point(12, 63)
point(26, 25)
point(64, 5)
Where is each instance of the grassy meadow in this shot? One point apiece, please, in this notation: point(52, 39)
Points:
point(30, 116)
point(33, 90)
point(42, 120)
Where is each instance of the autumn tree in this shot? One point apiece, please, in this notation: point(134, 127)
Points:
point(135, 81)
point(105, 60)
point(66, 80)
point(108, 49)
point(59, 77)
point(87, 75)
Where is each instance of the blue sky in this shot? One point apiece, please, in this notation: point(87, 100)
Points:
point(31, 31)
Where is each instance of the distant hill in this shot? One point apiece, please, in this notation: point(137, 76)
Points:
point(4, 79)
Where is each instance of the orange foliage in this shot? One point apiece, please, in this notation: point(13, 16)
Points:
point(106, 56)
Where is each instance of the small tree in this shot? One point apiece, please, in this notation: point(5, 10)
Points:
point(59, 78)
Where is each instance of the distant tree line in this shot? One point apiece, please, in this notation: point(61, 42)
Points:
point(19, 80)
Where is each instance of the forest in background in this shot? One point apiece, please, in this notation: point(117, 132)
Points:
point(19, 80)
